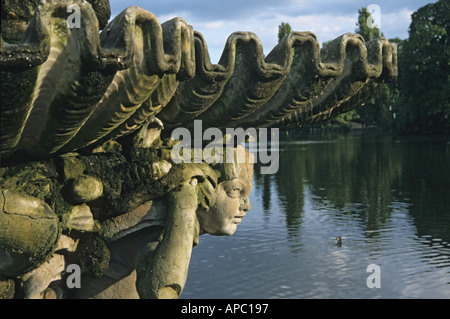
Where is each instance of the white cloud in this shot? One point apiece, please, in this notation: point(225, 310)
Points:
point(396, 24)
point(326, 27)
point(328, 19)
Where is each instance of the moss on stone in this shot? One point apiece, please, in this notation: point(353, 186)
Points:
point(129, 179)
point(38, 179)
point(7, 289)
point(71, 166)
point(102, 10)
point(94, 254)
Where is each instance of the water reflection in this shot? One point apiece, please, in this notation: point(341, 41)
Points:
point(364, 177)
point(387, 199)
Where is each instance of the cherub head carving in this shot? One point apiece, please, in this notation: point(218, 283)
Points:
point(231, 195)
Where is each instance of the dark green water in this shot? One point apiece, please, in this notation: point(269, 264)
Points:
point(388, 199)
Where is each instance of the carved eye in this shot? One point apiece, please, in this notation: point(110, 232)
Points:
point(235, 192)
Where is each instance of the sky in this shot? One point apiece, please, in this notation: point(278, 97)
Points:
point(328, 19)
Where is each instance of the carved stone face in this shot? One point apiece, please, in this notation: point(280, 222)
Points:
point(231, 206)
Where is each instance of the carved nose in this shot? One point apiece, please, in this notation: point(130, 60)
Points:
point(245, 204)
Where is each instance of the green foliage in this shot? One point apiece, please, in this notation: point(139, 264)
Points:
point(363, 29)
point(283, 30)
point(376, 111)
point(424, 72)
point(419, 101)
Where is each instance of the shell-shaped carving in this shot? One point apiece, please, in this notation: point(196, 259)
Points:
point(66, 88)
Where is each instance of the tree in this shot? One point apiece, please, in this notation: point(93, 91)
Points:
point(424, 68)
point(376, 111)
point(283, 30)
point(363, 28)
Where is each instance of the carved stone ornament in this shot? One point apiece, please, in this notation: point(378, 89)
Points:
point(87, 177)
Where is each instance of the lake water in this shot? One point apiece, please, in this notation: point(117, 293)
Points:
point(388, 199)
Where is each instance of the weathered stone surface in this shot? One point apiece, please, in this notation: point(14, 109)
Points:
point(29, 232)
point(164, 273)
point(85, 189)
point(66, 244)
point(81, 219)
point(160, 169)
point(36, 179)
point(64, 91)
point(114, 85)
point(94, 255)
point(15, 18)
point(39, 279)
point(7, 289)
point(148, 133)
point(102, 10)
point(72, 167)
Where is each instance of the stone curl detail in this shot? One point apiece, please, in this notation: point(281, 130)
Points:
point(67, 88)
point(122, 208)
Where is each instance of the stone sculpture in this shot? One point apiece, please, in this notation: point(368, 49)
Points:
point(86, 168)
